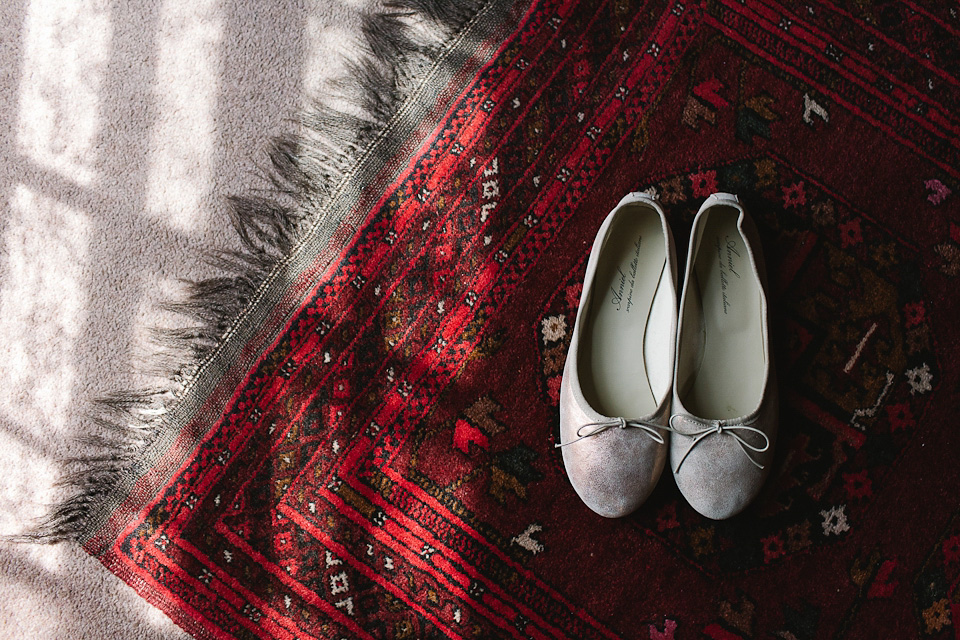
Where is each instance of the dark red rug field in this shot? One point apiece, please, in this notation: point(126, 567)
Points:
point(369, 452)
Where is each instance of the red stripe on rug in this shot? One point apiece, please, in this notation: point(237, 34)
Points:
point(737, 27)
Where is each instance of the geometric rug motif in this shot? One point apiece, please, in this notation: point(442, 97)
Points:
point(937, 585)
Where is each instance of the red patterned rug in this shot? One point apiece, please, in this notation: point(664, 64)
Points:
point(367, 450)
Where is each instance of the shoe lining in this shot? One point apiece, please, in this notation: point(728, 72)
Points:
point(630, 268)
point(728, 380)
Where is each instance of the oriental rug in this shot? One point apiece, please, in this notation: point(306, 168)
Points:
point(362, 445)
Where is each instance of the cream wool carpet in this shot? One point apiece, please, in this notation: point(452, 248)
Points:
point(125, 126)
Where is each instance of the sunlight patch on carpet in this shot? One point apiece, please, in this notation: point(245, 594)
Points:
point(67, 48)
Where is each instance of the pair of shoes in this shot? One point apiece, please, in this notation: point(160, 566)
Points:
point(642, 383)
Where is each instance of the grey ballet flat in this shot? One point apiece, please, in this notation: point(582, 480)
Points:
point(724, 420)
point(615, 391)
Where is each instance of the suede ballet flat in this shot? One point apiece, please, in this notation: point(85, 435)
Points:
point(725, 403)
point(615, 391)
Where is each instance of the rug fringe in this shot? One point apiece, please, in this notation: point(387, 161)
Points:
point(305, 169)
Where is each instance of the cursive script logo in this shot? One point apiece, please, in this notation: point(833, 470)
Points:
point(621, 284)
point(617, 299)
point(732, 251)
point(727, 267)
point(633, 271)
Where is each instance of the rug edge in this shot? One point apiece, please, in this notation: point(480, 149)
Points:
point(306, 168)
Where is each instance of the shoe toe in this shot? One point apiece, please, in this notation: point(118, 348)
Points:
point(614, 472)
point(717, 479)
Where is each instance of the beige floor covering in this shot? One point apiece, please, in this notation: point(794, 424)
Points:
point(126, 122)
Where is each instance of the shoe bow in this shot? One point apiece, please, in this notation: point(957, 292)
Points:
point(596, 428)
point(708, 428)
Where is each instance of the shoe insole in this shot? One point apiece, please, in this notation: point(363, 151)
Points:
point(729, 381)
point(631, 263)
